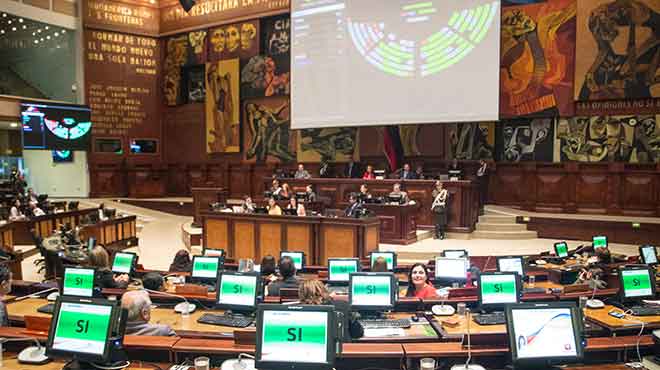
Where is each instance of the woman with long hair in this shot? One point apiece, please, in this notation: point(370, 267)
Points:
point(419, 283)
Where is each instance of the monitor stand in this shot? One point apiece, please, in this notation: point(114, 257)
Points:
point(238, 313)
point(81, 365)
point(373, 315)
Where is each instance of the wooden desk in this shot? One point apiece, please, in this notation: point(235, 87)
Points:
point(601, 317)
point(17, 310)
point(189, 327)
point(203, 198)
point(463, 199)
point(398, 223)
point(44, 225)
point(114, 234)
point(457, 332)
point(256, 235)
point(421, 331)
point(7, 240)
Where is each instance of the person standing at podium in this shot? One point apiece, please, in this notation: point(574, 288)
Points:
point(439, 209)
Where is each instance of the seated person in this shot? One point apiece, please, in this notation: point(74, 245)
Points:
point(287, 279)
point(268, 269)
point(32, 196)
point(15, 213)
point(152, 281)
point(380, 265)
point(298, 207)
point(419, 285)
point(302, 173)
point(181, 262)
point(364, 192)
point(102, 216)
point(285, 192)
point(138, 305)
point(353, 206)
point(275, 187)
point(5, 288)
point(369, 173)
point(310, 194)
point(419, 172)
point(397, 192)
point(100, 260)
point(35, 210)
point(248, 206)
point(407, 173)
point(273, 207)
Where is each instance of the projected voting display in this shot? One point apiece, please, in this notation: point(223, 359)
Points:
point(237, 289)
point(498, 289)
point(543, 333)
point(340, 270)
point(636, 283)
point(205, 267)
point(123, 263)
point(353, 66)
point(371, 290)
point(78, 282)
point(294, 336)
point(82, 328)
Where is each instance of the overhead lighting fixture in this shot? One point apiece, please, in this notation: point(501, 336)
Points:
point(46, 27)
point(63, 31)
point(39, 30)
point(20, 20)
point(41, 39)
point(13, 124)
point(187, 4)
point(57, 34)
point(36, 41)
point(48, 37)
point(4, 15)
point(13, 28)
point(9, 21)
point(2, 32)
point(24, 26)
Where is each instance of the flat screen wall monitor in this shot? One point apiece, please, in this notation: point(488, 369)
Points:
point(390, 258)
point(543, 334)
point(295, 337)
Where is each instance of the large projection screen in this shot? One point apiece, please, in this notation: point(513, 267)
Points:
point(391, 62)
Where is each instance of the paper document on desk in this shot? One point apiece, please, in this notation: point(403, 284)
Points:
point(383, 332)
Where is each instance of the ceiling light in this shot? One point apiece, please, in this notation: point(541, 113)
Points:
point(63, 31)
point(57, 34)
point(46, 27)
point(24, 26)
point(4, 15)
point(36, 41)
point(13, 28)
point(2, 32)
point(39, 30)
point(9, 22)
point(34, 33)
point(48, 37)
point(41, 39)
point(20, 20)
point(13, 124)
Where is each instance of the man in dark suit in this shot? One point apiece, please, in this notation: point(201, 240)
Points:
point(407, 173)
point(352, 170)
point(353, 207)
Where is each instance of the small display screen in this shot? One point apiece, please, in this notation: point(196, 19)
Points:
point(649, 255)
point(450, 268)
point(600, 242)
point(340, 270)
point(297, 258)
point(498, 289)
point(59, 127)
point(82, 328)
point(544, 333)
point(561, 250)
point(371, 290)
point(123, 263)
point(389, 258)
point(455, 254)
point(78, 282)
point(514, 264)
point(295, 337)
point(636, 283)
point(238, 290)
point(214, 252)
point(205, 267)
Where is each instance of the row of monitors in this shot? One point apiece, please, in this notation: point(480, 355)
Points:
point(90, 330)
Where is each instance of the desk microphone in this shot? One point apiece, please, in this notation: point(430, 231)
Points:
point(467, 365)
point(35, 355)
point(185, 307)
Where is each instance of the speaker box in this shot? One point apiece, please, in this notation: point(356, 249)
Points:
point(187, 4)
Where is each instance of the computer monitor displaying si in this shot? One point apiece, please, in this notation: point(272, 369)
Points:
point(561, 249)
point(648, 254)
point(637, 283)
point(372, 291)
point(81, 329)
point(297, 257)
point(455, 253)
point(390, 258)
point(541, 334)
point(205, 269)
point(511, 264)
point(450, 270)
point(78, 282)
point(339, 269)
point(123, 263)
point(497, 289)
point(599, 242)
point(295, 337)
point(238, 290)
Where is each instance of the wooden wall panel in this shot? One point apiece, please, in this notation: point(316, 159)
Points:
point(244, 240)
point(270, 240)
point(340, 241)
point(550, 191)
point(640, 194)
point(217, 236)
point(591, 191)
point(299, 238)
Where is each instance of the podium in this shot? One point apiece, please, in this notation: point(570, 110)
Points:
point(398, 223)
point(203, 198)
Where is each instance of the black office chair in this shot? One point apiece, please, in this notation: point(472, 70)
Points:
point(41, 263)
point(73, 205)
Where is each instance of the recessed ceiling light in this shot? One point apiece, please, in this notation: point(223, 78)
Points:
point(46, 27)
point(39, 30)
point(41, 39)
point(13, 124)
point(4, 15)
point(24, 26)
point(9, 22)
point(13, 28)
point(20, 20)
point(48, 37)
point(34, 33)
point(57, 34)
point(63, 31)
point(2, 32)
point(36, 41)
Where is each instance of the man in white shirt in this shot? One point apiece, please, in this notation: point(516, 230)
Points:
point(302, 173)
point(36, 211)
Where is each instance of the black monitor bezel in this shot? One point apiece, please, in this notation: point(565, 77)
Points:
point(465, 253)
point(622, 294)
point(94, 284)
point(303, 262)
point(86, 357)
point(450, 280)
point(641, 255)
point(522, 264)
point(576, 320)
point(206, 279)
point(357, 262)
point(372, 260)
point(130, 273)
point(224, 252)
point(257, 291)
point(557, 252)
point(394, 292)
point(331, 337)
point(498, 306)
